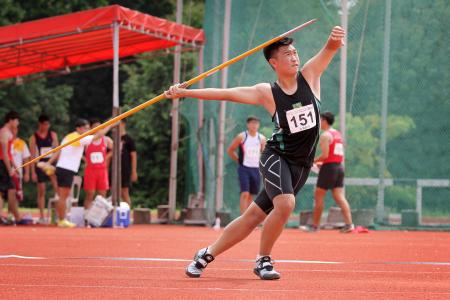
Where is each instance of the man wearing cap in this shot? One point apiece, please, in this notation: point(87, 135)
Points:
point(250, 144)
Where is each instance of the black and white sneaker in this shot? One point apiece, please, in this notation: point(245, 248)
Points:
point(264, 269)
point(201, 260)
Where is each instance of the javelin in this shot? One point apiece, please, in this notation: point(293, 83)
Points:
point(161, 96)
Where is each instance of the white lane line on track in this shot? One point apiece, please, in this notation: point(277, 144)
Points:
point(217, 289)
point(288, 261)
point(221, 269)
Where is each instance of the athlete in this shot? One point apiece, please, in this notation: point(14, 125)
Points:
point(42, 141)
point(20, 155)
point(250, 144)
point(69, 159)
point(7, 167)
point(96, 172)
point(293, 103)
point(331, 174)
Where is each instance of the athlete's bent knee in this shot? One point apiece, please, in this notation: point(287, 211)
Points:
point(284, 204)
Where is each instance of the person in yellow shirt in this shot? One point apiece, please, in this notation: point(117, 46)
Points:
point(20, 154)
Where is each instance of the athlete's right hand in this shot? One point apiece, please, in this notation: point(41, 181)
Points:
point(176, 91)
point(13, 172)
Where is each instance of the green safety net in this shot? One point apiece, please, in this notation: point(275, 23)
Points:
point(418, 127)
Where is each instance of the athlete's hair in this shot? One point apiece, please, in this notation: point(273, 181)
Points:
point(272, 48)
point(81, 123)
point(11, 115)
point(252, 118)
point(94, 120)
point(43, 118)
point(328, 116)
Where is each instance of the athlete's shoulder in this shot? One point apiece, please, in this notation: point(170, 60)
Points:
point(327, 135)
point(263, 87)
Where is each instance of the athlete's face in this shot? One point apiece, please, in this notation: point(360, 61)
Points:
point(253, 126)
point(44, 126)
point(83, 129)
point(323, 124)
point(14, 124)
point(286, 60)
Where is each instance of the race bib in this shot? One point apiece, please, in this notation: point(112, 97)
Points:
point(339, 149)
point(45, 150)
point(302, 118)
point(97, 157)
point(251, 156)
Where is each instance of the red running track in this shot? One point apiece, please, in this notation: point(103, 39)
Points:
point(147, 262)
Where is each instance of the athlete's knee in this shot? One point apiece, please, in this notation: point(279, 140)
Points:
point(284, 204)
point(244, 195)
point(254, 215)
point(318, 202)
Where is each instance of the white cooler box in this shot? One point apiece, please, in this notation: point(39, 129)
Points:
point(122, 216)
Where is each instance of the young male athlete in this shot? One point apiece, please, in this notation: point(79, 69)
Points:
point(250, 144)
point(331, 174)
point(7, 167)
point(42, 141)
point(293, 102)
point(96, 171)
point(20, 155)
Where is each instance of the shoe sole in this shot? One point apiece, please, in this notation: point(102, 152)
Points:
point(275, 277)
point(192, 275)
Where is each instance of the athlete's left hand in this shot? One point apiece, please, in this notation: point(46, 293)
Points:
point(337, 34)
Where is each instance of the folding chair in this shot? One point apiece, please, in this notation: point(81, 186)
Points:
point(73, 198)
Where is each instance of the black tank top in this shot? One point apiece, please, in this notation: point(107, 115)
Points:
point(45, 144)
point(297, 124)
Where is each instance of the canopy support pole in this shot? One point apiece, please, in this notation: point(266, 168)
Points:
point(116, 161)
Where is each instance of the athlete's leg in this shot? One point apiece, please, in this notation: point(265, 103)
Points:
point(102, 193)
point(12, 204)
point(126, 195)
point(244, 202)
point(249, 199)
point(283, 204)
point(338, 196)
point(319, 196)
point(89, 198)
point(63, 193)
point(238, 230)
point(41, 198)
point(54, 184)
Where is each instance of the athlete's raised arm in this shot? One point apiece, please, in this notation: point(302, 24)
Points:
point(252, 95)
point(313, 69)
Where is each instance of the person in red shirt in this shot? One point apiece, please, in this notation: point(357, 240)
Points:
point(96, 173)
point(331, 174)
point(7, 167)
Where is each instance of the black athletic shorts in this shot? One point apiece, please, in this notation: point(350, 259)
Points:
point(279, 177)
point(64, 177)
point(126, 178)
point(41, 176)
point(331, 176)
point(6, 182)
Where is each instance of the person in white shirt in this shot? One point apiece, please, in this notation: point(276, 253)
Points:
point(250, 144)
point(69, 160)
point(20, 154)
